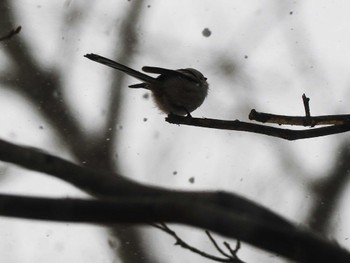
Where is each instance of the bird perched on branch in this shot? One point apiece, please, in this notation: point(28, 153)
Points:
point(177, 92)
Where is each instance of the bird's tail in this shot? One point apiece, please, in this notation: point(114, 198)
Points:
point(116, 65)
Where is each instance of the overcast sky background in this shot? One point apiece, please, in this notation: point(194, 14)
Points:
point(260, 55)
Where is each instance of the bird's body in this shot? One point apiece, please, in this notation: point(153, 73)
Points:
point(175, 91)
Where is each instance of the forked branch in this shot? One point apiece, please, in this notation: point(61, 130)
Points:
point(338, 124)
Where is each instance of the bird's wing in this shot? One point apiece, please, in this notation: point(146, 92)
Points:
point(183, 73)
point(157, 70)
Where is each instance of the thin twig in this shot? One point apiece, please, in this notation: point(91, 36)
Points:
point(11, 33)
point(306, 102)
point(105, 184)
point(233, 251)
point(183, 244)
point(308, 119)
point(216, 244)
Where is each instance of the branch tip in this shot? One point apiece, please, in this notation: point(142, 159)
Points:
point(11, 33)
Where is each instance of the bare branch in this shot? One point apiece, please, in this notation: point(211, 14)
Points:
point(305, 121)
point(218, 248)
point(237, 125)
point(105, 184)
point(298, 244)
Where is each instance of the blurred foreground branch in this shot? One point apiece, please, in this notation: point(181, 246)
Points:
point(297, 244)
point(125, 201)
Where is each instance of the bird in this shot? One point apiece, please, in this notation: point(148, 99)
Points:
point(177, 92)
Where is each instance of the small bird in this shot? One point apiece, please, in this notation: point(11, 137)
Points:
point(176, 92)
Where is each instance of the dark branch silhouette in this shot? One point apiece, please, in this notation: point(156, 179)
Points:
point(339, 123)
point(297, 244)
point(237, 125)
point(306, 102)
point(38, 86)
point(226, 214)
point(312, 121)
point(110, 185)
point(306, 120)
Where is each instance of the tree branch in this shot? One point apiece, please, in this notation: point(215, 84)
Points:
point(111, 185)
point(125, 201)
point(306, 120)
point(339, 119)
point(297, 244)
point(237, 125)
